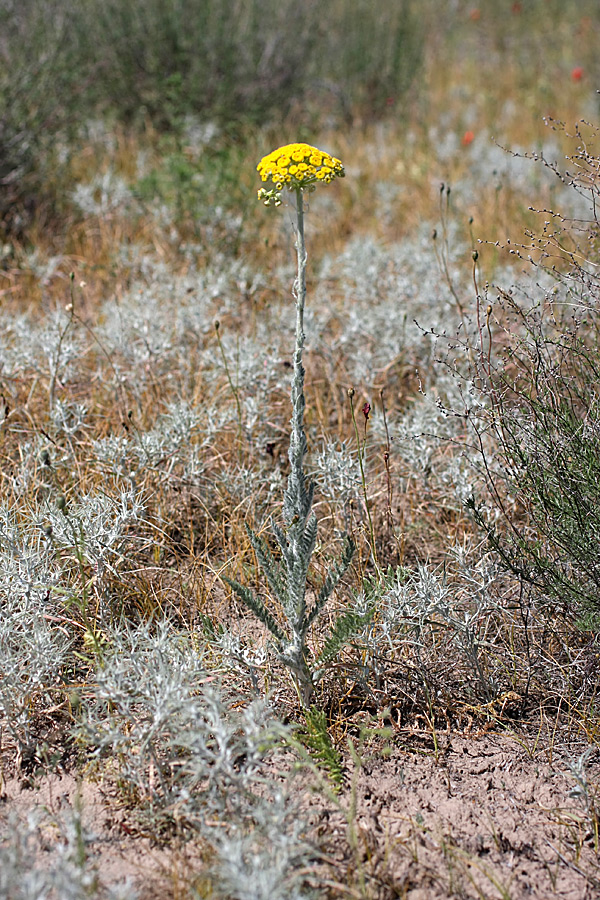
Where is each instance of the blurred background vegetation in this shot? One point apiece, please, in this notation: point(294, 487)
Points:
point(157, 66)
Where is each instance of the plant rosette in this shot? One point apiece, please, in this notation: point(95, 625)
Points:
point(298, 167)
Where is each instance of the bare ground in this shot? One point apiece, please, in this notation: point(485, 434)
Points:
point(481, 814)
point(487, 816)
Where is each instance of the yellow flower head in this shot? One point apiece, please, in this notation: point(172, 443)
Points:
point(299, 166)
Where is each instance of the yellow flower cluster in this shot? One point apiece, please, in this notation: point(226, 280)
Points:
point(296, 166)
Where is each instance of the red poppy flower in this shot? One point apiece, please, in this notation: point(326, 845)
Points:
point(467, 138)
point(577, 73)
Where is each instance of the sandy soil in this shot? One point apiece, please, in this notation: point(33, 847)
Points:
point(490, 817)
point(485, 815)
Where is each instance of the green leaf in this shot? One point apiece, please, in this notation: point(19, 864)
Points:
point(317, 740)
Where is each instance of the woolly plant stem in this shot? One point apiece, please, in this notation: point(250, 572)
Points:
point(300, 289)
point(296, 489)
point(297, 506)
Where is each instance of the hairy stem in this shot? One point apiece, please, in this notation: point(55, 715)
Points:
point(298, 501)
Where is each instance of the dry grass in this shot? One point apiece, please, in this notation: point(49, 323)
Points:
point(116, 392)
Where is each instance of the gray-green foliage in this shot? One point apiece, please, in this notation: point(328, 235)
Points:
point(435, 624)
point(287, 578)
point(287, 574)
point(33, 649)
point(55, 565)
point(192, 757)
point(266, 859)
point(175, 740)
point(33, 654)
point(30, 869)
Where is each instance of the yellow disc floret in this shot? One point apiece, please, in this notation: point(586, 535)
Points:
point(300, 167)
